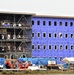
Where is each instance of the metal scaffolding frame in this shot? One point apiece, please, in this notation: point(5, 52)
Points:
point(22, 41)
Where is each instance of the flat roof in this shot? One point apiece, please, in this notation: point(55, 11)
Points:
point(50, 16)
point(13, 12)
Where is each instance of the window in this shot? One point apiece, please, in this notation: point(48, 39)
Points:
point(55, 35)
point(49, 23)
point(60, 47)
point(66, 35)
point(50, 57)
point(66, 24)
point(71, 23)
point(32, 34)
point(71, 35)
point(38, 34)
point(49, 34)
point(55, 57)
point(71, 47)
point(44, 22)
point(38, 46)
point(66, 47)
point(38, 22)
point(55, 47)
point(44, 35)
point(49, 46)
point(44, 47)
point(32, 46)
point(60, 23)
point(55, 23)
point(60, 58)
point(60, 35)
point(32, 22)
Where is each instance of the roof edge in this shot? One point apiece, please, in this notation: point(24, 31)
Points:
point(17, 12)
point(50, 16)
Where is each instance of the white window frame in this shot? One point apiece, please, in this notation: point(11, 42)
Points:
point(45, 34)
point(54, 47)
point(70, 24)
point(56, 35)
point(37, 23)
point(34, 46)
point(43, 47)
point(37, 34)
point(50, 22)
point(33, 21)
point(44, 22)
point(61, 23)
point(48, 35)
point(62, 46)
point(37, 46)
point(65, 47)
point(70, 36)
point(60, 34)
point(34, 34)
point(70, 47)
point(51, 47)
point(67, 35)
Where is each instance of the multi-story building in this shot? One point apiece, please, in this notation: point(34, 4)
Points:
point(43, 36)
point(15, 34)
point(53, 37)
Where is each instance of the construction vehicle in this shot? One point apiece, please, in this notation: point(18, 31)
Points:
point(52, 65)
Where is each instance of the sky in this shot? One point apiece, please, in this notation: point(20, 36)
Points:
point(44, 7)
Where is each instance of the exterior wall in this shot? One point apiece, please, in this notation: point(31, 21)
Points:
point(58, 29)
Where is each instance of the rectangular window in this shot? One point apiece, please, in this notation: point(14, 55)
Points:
point(49, 23)
point(44, 34)
point(44, 47)
point(32, 34)
point(32, 46)
point(66, 47)
point(55, 35)
point(71, 23)
point(38, 22)
point(60, 58)
point(32, 22)
point(55, 57)
point(71, 47)
point(60, 23)
point(38, 34)
point(66, 23)
point(55, 23)
point(44, 22)
point(49, 46)
point(55, 47)
point(60, 35)
point(66, 35)
point(71, 35)
point(38, 46)
point(49, 34)
point(60, 47)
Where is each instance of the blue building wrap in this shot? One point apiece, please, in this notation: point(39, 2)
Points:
point(58, 38)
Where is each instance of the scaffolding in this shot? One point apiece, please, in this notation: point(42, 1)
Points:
point(15, 35)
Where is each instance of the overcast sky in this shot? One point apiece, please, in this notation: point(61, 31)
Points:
point(47, 7)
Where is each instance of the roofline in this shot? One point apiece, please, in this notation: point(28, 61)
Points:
point(13, 12)
point(50, 16)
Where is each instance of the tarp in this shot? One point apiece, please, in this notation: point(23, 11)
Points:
point(68, 60)
point(2, 61)
point(36, 61)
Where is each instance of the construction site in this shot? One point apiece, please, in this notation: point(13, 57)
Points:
point(15, 35)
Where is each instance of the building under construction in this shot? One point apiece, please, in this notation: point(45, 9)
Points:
point(15, 34)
